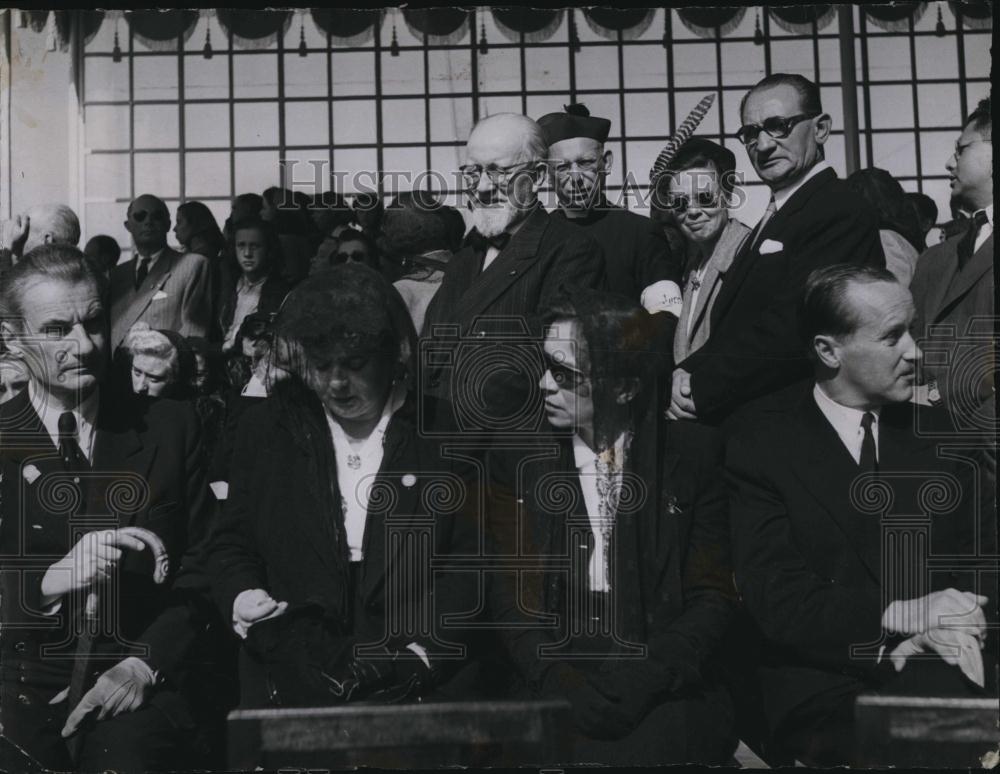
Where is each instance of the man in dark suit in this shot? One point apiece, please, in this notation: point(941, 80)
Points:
point(79, 477)
point(831, 562)
point(637, 257)
point(515, 258)
point(620, 534)
point(812, 220)
point(953, 285)
point(159, 286)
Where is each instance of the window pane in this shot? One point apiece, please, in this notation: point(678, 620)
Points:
point(550, 103)
point(939, 104)
point(829, 61)
point(597, 67)
point(793, 56)
point(158, 173)
point(308, 170)
point(403, 120)
point(491, 105)
point(742, 63)
point(206, 126)
point(256, 170)
point(353, 73)
point(206, 174)
point(647, 115)
point(977, 56)
point(694, 65)
point(832, 98)
point(445, 163)
point(935, 150)
point(894, 153)
point(305, 76)
point(104, 38)
point(355, 169)
point(403, 74)
point(685, 102)
point(106, 126)
point(500, 70)
point(645, 67)
point(451, 119)
point(641, 156)
point(401, 167)
point(206, 78)
point(107, 218)
point(156, 126)
point(354, 122)
point(155, 77)
point(105, 79)
point(936, 57)
point(107, 176)
point(889, 59)
point(834, 153)
point(892, 107)
point(255, 75)
point(449, 71)
point(307, 123)
point(547, 68)
point(256, 123)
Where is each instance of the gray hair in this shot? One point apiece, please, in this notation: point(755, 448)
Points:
point(56, 221)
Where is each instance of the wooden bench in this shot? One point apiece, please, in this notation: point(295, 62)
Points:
point(926, 731)
point(406, 736)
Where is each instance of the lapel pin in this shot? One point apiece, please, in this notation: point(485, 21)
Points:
point(30, 473)
point(513, 272)
point(672, 507)
point(409, 480)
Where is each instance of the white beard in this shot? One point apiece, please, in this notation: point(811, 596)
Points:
point(493, 221)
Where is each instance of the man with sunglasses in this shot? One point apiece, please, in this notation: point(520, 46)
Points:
point(812, 221)
point(638, 258)
point(515, 258)
point(953, 282)
point(167, 289)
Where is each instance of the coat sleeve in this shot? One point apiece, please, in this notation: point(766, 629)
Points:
point(815, 618)
point(196, 310)
point(750, 363)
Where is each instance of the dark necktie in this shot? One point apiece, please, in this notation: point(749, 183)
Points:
point(141, 271)
point(69, 450)
point(772, 208)
point(869, 461)
point(481, 244)
point(967, 246)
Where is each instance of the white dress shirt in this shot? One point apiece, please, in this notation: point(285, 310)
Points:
point(247, 301)
point(986, 231)
point(358, 462)
point(847, 422)
point(85, 415)
point(586, 463)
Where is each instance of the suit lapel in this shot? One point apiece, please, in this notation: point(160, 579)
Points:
point(119, 455)
point(158, 275)
point(959, 283)
point(506, 268)
point(828, 471)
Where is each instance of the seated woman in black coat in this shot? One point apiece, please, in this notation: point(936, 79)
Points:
point(336, 506)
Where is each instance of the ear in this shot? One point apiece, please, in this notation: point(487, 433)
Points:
point(823, 126)
point(47, 239)
point(609, 159)
point(827, 350)
point(538, 179)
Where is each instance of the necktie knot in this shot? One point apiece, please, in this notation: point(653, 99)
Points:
point(866, 421)
point(67, 425)
point(869, 457)
point(141, 271)
point(483, 243)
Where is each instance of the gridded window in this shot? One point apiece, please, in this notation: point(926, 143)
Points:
point(187, 126)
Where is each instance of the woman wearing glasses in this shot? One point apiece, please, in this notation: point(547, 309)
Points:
point(699, 187)
point(260, 286)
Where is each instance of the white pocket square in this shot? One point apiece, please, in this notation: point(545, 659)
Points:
point(770, 246)
point(158, 295)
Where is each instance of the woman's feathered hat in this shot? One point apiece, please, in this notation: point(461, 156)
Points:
point(683, 134)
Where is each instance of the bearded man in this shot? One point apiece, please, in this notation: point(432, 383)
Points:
point(514, 260)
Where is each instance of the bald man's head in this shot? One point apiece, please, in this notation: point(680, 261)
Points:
point(51, 224)
point(516, 133)
point(148, 222)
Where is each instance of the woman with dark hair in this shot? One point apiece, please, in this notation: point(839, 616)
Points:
point(322, 472)
point(260, 286)
point(698, 189)
point(622, 518)
point(198, 232)
point(899, 227)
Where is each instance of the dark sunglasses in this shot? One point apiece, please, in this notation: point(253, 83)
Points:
point(140, 215)
point(778, 127)
point(679, 203)
point(357, 256)
point(566, 378)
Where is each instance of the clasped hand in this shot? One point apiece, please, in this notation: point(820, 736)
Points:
point(681, 401)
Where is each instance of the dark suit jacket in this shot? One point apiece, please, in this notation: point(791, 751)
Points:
point(148, 472)
point(670, 570)
point(282, 529)
point(945, 297)
point(503, 303)
point(754, 346)
point(809, 549)
point(176, 296)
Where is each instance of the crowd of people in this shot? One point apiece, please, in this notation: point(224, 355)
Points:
point(665, 469)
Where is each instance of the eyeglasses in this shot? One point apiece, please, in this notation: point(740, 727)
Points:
point(586, 164)
point(778, 127)
point(704, 200)
point(499, 176)
point(140, 215)
point(566, 378)
point(357, 256)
